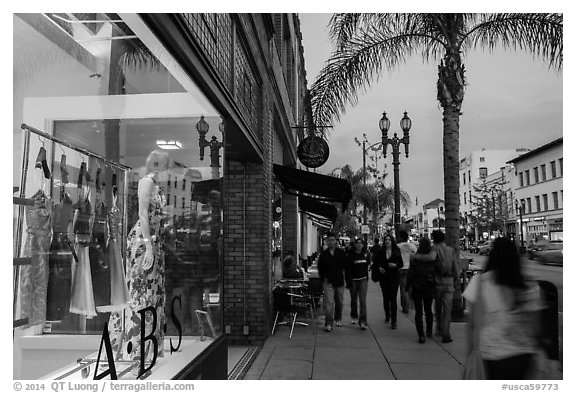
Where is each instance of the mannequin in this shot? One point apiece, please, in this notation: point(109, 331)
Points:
point(145, 265)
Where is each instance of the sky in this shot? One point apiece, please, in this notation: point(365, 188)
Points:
point(511, 100)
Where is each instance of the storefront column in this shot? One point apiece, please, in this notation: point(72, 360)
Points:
point(247, 255)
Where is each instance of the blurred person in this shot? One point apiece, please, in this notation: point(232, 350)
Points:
point(377, 246)
point(420, 283)
point(389, 261)
point(331, 267)
point(357, 281)
point(509, 305)
point(446, 278)
point(290, 269)
point(407, 250)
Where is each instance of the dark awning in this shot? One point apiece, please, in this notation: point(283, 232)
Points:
point(204, 190)
point(324, 211)
point(325, 188)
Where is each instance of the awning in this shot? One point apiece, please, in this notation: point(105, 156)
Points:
point(204, 190)
point(303, 183)
point(318, 210)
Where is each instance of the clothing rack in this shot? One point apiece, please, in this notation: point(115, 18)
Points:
point(22, 201)
point(43, 134)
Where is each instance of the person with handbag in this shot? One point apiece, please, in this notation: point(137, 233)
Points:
point(388, 261)
point(357, 281)
point(504, 327)
point(420, 283)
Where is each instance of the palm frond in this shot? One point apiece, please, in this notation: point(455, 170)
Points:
point(539, 34)
point(359, 61)
point(137, 57)
point(342, 26)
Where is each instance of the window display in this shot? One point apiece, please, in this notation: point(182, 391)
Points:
point(110, 123)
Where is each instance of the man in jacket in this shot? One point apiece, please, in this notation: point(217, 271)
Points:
point(331, 267)
point(446, 277)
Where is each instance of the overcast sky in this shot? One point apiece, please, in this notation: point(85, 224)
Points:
point(511, 100)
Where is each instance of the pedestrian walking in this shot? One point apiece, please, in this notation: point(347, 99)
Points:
point(389, 261)
point(331, 267)
point(357, 281)
point(507, 321)
point(446, 277)
point(406, 249)
point(420, 283)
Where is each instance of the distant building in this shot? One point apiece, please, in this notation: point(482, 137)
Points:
point(538, 181)
point(476, 167)
point(431, 218)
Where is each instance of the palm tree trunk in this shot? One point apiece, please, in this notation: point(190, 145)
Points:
point(451, 117)
point(450, 94)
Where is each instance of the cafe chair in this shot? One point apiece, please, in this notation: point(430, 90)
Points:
point(316, 290)
point(291, 302)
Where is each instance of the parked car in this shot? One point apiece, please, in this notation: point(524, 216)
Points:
point(548, 254)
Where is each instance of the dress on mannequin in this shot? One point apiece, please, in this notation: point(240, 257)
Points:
point(146, 287)
point(34, 277)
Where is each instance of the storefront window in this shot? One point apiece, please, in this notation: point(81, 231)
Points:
point(101, 240)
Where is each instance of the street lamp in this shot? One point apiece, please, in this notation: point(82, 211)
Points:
point(202, 127)
point(364, 148)
point(521, 209)
point(395, 142)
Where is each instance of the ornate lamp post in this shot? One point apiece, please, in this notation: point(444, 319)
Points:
point(395, 142)
point(364, 149)
point(202, 126)
point(520, 208)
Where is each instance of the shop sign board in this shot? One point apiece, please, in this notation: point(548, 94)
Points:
point(313, 151)
point(365, 229)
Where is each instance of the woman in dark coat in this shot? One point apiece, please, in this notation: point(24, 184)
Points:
point(421, 286)
point(389, 261)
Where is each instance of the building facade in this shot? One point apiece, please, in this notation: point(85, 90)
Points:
point(538, 185)
point(431, 218)
point(476, 167)
point(94, 94)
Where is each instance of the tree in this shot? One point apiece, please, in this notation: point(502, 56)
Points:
point(491, 207)
point(372, 198)
point(367, 43)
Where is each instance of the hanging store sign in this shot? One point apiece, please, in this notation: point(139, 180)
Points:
point(313, 151)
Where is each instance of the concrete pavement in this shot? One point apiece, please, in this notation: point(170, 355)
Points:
point(352, 354)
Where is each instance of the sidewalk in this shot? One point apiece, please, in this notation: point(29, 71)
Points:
point(350, 353)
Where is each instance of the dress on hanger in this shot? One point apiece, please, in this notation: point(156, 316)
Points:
point(82, 299)
point(119, 294)
point(99, 267)
point(60, 261)
point(147, 287)
point(34, 277)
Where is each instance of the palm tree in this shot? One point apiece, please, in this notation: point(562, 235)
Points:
point(367, 43)
point(374, 197)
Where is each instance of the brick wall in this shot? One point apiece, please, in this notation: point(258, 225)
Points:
point(247, 243)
